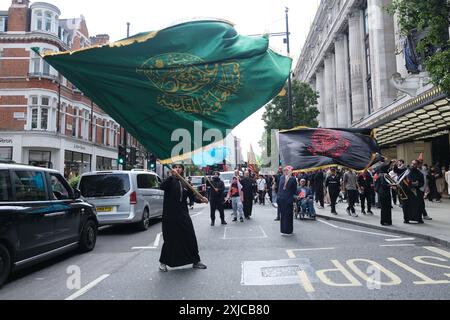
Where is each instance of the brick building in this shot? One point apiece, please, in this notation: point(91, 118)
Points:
point(44, 119)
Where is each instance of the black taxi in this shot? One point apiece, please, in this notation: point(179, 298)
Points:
point(40, 216)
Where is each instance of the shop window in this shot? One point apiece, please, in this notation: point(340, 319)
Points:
point(6, 153)
point(75, 164)
point(40, 159)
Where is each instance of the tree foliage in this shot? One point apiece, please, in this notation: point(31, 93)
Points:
point(432, 16)
point(304, 111)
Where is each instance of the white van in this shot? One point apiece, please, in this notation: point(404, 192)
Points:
point(123, 197)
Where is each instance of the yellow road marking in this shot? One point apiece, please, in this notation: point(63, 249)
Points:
point(425, 279)
point(304, 280)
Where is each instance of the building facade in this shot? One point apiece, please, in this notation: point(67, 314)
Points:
point(44, 119)
point(355, 57)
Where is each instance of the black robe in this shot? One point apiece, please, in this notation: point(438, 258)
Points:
point(285, 201)
point(412, 206)
point(180, 243)
point(247, 189)
point(383, 188)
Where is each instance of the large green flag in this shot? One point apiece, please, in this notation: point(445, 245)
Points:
point(157, 82)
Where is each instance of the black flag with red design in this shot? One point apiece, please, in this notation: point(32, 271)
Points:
point(309, 149)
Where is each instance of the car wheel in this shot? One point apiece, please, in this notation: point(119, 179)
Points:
point(145, 223)
point(88, 236)
point(5, 264)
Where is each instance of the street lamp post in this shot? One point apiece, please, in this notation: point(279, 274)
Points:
point(285, 34)
point(290, 111)
point(125, 134)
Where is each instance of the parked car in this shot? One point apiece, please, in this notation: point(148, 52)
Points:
point(123, 197)
point(199, 183)
point(40, 216)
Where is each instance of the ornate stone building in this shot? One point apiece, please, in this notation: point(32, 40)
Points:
point(354, 56)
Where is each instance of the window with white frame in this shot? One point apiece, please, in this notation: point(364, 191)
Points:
point(38, 20)
point(75, 122)
point(39, 66)
point(40, 112)
point(94, 130)
point(48, 21)
point(104, 132)
point(111, 134)
point(85, 130)
point(62, 118)
point(2, 24)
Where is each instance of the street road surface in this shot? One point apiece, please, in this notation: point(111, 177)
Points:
point(246, 261)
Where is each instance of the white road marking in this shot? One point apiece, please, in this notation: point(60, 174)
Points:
point(197, 214)
point(292, 255)
point(143, 248)
point(86, 288)
point(264, 233)
point(398, 245)
point(439, 251)
point(360, 231)
point(264, 236)
point(401, 239)
point(158, 237)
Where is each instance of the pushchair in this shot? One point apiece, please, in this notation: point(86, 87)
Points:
point(301, 210)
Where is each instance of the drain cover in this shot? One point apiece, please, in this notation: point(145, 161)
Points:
point(281, 271)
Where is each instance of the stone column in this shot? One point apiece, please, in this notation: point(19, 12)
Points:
point(357, 64)
point(342, 101)
point(330, 96)
point(382, 48)
point(320, 88)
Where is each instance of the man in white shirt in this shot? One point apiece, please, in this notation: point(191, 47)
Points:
point(262, 187)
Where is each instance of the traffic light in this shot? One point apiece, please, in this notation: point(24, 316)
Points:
point(122, 156)
point(133, 156)
point(152, 162)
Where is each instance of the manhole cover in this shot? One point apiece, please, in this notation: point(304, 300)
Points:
point(282, 271)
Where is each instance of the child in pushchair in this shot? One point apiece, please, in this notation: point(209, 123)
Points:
point(304, 202)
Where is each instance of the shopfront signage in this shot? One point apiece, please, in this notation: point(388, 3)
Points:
point(79, 147)
point(6, 141)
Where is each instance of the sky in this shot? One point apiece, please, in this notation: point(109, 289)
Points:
point(249, 16)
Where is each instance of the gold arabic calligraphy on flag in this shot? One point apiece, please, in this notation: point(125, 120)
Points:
point(188, 84)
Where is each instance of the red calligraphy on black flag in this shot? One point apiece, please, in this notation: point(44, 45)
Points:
point(328, 143)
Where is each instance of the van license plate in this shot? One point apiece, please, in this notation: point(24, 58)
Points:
point(104, 209)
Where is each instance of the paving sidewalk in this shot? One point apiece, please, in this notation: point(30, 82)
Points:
point(436, 230)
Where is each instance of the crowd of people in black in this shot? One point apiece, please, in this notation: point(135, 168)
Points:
point(382, 186)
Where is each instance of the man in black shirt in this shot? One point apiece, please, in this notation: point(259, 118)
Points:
point(217, 188)
point(333, 183)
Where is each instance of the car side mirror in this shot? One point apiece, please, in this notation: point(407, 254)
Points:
point(76, 194)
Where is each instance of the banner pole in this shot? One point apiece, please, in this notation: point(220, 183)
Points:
point(183, 180)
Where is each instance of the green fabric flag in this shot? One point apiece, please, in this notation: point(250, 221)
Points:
point(156, 82)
